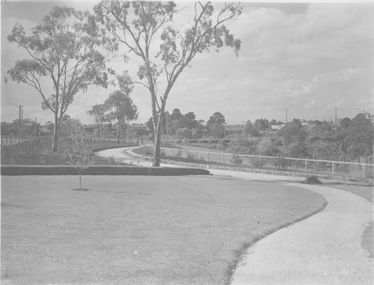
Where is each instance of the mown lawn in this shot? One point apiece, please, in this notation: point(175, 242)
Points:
point(138, 229)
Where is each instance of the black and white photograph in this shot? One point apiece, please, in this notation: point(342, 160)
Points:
point(187, 142)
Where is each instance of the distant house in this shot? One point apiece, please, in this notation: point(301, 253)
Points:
point(276, 128)
point(139, 129)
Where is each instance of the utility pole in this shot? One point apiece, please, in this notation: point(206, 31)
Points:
point(286, 116)
point(336, 116)
point(20, 118)
point(36, 126)
point(21, 124)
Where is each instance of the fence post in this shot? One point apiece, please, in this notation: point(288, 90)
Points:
point(333, 168)
point(223, 158)
point(306, 165)
point(363, 171)
point(208, 156)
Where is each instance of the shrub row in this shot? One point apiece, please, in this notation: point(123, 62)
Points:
point(38, 152)
point(12, 170)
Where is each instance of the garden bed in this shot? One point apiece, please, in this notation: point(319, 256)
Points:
point(13, 170)
point(36, 152)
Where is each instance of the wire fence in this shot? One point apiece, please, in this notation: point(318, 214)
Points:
point(312, 166)
point(14, 139)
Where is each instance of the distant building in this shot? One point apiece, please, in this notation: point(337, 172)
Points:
point(276, 128)
point(139, 129)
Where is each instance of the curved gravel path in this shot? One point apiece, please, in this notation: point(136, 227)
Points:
point(323, 249)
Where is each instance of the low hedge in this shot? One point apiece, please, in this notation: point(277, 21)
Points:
point(12, 170)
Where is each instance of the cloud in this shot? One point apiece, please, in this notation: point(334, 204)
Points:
point(344, 75)
point(307, 61)
point(309, 105)
point(324, 30)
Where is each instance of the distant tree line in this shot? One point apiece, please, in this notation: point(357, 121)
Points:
point(350, 138)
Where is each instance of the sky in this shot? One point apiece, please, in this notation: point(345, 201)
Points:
point(308, 60)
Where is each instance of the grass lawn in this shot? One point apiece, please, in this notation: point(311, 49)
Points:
point(138, 230)
point(364, 191)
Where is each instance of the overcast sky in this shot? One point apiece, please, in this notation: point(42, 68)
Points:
point(304, 58)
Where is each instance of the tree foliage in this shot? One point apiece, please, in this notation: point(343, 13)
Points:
point(120, 107)
point(360, 135)
point(261, 125)
point(71, 127)
point(215, 125)
point(64, 48)
point(98, 112)
point(293, 132)
point(29, 127)
point(136, 25)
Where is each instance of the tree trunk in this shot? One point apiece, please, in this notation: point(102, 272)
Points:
point(98, 129)
point(118, 132)
point(157, 146)
point(55, 135)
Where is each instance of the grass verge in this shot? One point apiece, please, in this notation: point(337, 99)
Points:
point(126, 230)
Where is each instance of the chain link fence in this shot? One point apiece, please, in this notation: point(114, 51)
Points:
point(10, 139)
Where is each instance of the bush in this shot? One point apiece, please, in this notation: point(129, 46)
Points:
point(196, 133)
point(162, 154)
point(202, 159)
point(258, 162)
point(272, 150)
point(178, 154)
point(184, 133)
point(221, 145)
point(36, 152)
point(190, 157)
point(236, 160)
point(313, 179)
point(280, 162)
